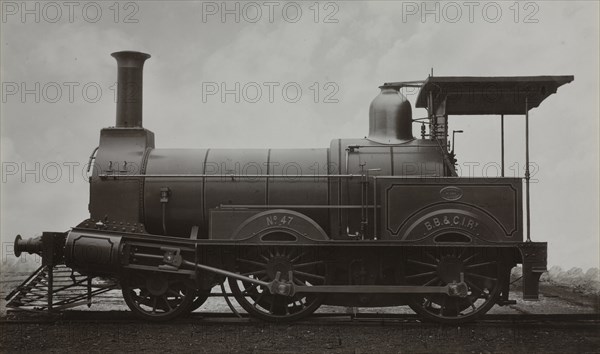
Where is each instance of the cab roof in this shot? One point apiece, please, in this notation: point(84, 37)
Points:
point(476, 95)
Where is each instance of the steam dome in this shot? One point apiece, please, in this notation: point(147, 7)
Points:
point(390, 117)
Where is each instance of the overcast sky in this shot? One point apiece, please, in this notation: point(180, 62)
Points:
point(348, 48)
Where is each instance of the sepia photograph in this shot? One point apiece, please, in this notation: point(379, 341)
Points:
point(368, 176)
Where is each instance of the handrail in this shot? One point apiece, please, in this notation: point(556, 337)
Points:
point(115, 176)
point(225, 175)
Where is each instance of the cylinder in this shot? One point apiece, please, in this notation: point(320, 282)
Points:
point(129, 88)
point(94, 252)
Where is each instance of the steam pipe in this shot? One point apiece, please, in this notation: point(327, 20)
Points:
point(129, 88)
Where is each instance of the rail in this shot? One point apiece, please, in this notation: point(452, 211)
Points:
point(337, 318)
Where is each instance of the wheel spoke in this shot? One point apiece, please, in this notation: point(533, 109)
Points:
point(253, 285)
point(481, 276)
point(309, 275)
point(167, 302)
point(272, 307)
point(466, 260)
point(480, 264)
point(420, 275)
point(443, 306)
point(472, 303)
point(456, 308)
point(307, 264)
point(251, 288)
point(260, 296)
point(297, 281)
point(135, 296)
point(154, 301)
point(258, 272)
point(429, 265)
point(300, 255)
point(432, 257)
point(248, 261)
point(431, 281)
point(471, 284)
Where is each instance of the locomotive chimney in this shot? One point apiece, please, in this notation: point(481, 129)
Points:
point(129, 88)
point(390, 117)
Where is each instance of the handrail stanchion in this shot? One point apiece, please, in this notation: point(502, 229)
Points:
point(527, 170)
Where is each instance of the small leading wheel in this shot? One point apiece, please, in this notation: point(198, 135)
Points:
point(157, 296)
point(480, 270)
point(264, 265)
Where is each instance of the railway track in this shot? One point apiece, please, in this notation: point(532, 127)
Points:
point(15, 317)
point(112, 309)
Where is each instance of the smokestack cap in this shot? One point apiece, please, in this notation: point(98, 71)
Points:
point(130, 58)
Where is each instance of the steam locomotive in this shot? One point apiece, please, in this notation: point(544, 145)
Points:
point(379, 221)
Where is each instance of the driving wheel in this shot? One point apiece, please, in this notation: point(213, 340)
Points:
point(264, 265)
point(479, 269)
